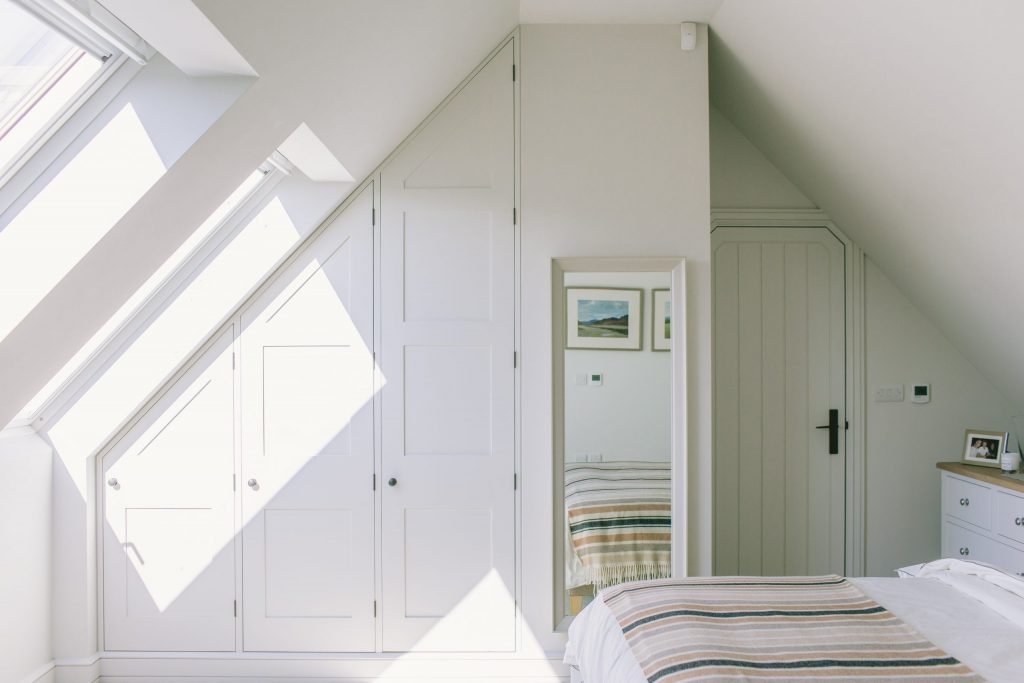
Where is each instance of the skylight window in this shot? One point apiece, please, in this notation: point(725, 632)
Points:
point(41, 71)
point(217, 223)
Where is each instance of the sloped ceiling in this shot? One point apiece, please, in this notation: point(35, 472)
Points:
point(361, 74)
point(904, 121)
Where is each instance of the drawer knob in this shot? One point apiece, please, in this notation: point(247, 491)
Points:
point(965, 551)
point(965, 502)
point(1018, 521)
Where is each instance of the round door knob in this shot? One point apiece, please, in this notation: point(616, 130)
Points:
point(1017, 521)
point(113, 483)
point(965, 551)
point(253, 484)
point(392, 481)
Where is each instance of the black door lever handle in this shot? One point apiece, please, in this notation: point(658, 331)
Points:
point(833, 431)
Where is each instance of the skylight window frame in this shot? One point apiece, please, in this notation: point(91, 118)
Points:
point(92, 37)
point(165, 292)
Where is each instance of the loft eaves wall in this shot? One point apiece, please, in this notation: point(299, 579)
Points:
point(897, 121)
point(360, 75)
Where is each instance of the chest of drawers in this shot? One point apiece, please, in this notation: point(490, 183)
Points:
point(982, 516)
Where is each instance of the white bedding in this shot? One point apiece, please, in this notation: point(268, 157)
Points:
point(971, 611)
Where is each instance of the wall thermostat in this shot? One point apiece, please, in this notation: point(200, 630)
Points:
point(920, 393)
point(596, 379)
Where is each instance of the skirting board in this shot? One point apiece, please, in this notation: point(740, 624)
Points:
point(42, 674)
point(183, 668)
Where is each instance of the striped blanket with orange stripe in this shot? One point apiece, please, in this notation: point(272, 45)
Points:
point(757, 628)
point(620, 520)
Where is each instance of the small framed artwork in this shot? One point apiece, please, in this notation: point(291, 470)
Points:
point(983, 447)
point(661, 320)
point(606, 318)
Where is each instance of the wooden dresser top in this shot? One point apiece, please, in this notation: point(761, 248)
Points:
point(990, 475)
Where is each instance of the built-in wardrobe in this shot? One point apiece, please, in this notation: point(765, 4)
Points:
point(335, 470)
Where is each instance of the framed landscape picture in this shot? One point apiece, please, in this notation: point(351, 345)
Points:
point(661, 320)
point(983, 447)
point(607, 319)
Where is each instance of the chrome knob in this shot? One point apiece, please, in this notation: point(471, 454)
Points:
point(964, 502)
point(113, 483)
point(965, 551)
point(253, 484)
point(392, 481)
point(1018, 521)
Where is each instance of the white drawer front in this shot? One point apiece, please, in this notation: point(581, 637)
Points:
point(967, 501)
point(963, 544)
point(1009, 517)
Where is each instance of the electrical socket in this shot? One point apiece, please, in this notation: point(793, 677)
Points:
point(889, 393)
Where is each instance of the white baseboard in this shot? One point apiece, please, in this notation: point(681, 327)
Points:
point(86, 670)
point(123, 667)
point(41, 674)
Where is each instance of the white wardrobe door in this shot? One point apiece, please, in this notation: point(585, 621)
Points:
point(447, 399)
point(168, 537)
point(307, 448)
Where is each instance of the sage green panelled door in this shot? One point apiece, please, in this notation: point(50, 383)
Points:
point(780, 368)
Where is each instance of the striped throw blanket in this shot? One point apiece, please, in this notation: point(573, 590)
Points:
point(619, 518)
point(756, 628)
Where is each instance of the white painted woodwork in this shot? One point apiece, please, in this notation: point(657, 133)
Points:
point(306, 360)
point(982, 521)
point(779, 308)
point(169, 518)
point(447, 396)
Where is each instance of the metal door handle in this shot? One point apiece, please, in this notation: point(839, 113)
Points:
point(965, 551)
point(392, 481)
point(253, 484)
point(833, 431)
point(113, 483)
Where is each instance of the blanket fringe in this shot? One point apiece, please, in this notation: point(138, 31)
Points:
point(611, 574)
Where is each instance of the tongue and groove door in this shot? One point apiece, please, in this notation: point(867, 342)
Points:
point(780, 368)
point(447, 333)
point(308, 451)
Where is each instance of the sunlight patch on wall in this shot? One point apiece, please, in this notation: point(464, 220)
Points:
point(174, 334)
point(201, 234)
point(73, 212)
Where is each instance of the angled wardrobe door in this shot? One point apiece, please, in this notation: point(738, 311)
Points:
point(169, 519)
point(307, 447)
point(447, 398)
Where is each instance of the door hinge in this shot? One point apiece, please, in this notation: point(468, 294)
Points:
point(236, 608)
point(515, 359)
point(232, 360)
point(513, 72)
point(234, 482)
point(373, 216)
point(374, 608)
point(515, 218)
point(374, 481)
point(515, 481)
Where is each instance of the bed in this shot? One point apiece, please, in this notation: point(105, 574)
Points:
point(947, 620)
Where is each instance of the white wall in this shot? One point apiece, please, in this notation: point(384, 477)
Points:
point(905, 440)
point(614, 163)
point(627, 416)
point(25, 595)
point(742, 177)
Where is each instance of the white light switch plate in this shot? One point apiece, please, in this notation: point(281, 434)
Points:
point(889, 393)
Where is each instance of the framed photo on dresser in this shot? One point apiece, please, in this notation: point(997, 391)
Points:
point(983, 447)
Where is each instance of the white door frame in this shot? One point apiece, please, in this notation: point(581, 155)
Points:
point(855, 356)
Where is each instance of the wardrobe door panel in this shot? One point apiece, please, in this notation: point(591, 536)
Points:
point(307, 448)
point(447, 396)
point(169, 526)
